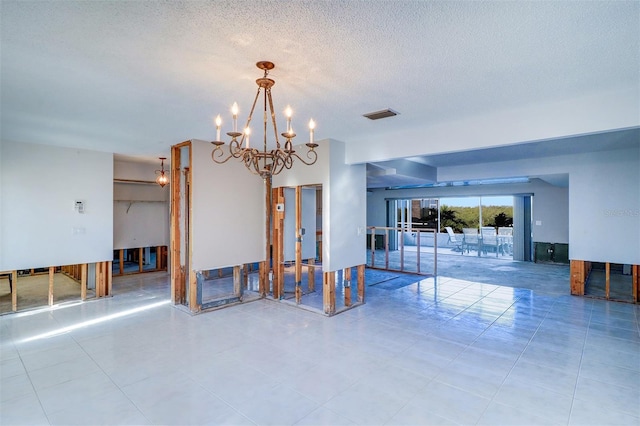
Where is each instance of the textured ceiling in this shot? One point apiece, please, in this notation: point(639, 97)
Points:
point(135, 77)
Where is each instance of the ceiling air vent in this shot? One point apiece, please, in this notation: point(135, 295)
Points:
point(377, 115)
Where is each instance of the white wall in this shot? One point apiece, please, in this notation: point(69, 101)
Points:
point(1, 198)
point(604, 207)
point(140, 210)
point(551, 215)
point(347, 213)
point(40, 226)
point(586, 114)
point(228, 212)
point(343, 203)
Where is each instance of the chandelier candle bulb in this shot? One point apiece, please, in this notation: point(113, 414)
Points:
point(288, 113)
point(312, 126)
point(234, 112)
point(247, 132)
point(218, 124)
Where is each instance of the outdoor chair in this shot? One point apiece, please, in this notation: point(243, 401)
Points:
point(490, 240)
point(454, 240)
point(470, 239)
point(505, 238)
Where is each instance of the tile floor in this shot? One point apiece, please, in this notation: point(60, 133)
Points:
point(439, 351)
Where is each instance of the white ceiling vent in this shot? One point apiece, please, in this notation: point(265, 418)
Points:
point(377, 115)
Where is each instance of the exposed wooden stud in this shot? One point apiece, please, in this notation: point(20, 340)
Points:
point(159, 257)
point(262, 272)
point(52, 271)
point(237, 281)
point(174, 230)
point(319, 244)
point(346, 276)
point(329, 292)
point(140, 259)
point(14, 291)
point(312, 274)
point(121, 262)
point(577, 273)
point(194, 306)
point(99, 292)
point(298, 267)
point(109, 266)
point(83, 281)
point(360, 283)
point(634, 283)
point(607, 279)
point(278, 244)
point(263, 287)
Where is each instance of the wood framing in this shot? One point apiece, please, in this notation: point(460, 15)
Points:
point(237, 281)
point(277, 252)
point(329, 292)
point(347, 286)
point(634, 283)
point(360, 283)
point(109, 266)
point(52, 272)
point(83, 281)
point(311, 282)
point(579, 270)
point(194, 305)
point(298, 267)
point(14, 291)
point(263, 286)
point(180, 178)
point(607, 280)
point(140, 259)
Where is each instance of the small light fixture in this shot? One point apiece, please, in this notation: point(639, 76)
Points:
point(162, 178)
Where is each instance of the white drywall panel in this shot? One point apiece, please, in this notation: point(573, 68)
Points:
point(228, 212)
point(345, 212)
point(1, 198)
point(604, 207)
point(551, 214)
point(40, 226)
point(140, 224)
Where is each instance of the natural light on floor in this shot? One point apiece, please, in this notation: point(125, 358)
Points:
point(88, 323)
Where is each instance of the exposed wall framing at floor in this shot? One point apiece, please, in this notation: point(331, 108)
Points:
point(583, 271)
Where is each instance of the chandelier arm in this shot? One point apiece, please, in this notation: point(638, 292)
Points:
point(278, 165)
point(253, 107)
point(312, 155)
point(218, 152)
point(273, 120)
point(236, 150)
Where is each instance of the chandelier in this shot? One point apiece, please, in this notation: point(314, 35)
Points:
point(264, 162)
point(162, 178)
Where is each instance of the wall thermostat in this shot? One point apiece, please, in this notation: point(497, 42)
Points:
point(79, 206)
